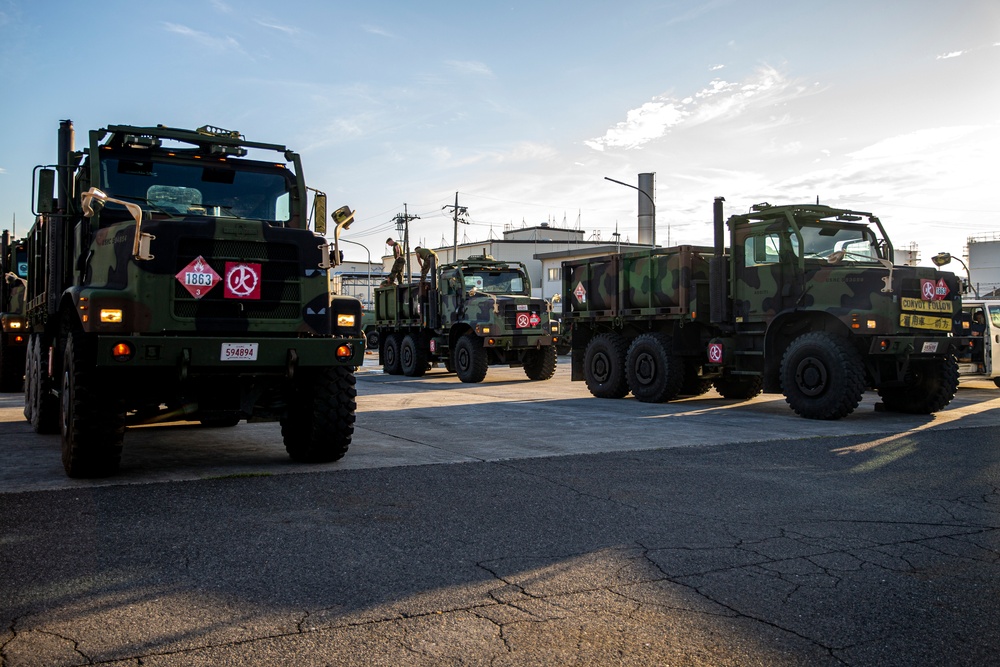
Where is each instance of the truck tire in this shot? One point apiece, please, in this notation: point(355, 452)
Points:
point(996, 381)
point(41, 408)
point(371, 336)
point(92, 419)
point(740, 387)
point(930, 386)
point(694, 384)
point(11, 368)
point(604, 366)
point(391, 363)
point(540, 364)
point(654, 374)
point(319, 422)
point(470, 358)
point(413, 356)
point(822, 376)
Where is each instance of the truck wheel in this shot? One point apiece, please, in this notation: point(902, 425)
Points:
point(654, 374)
point(372, 337)
point(390, 354)
point(41, 408)
point(540, 364)
point(741, 387)
point(11, 367)
point(996, 381)
point(470, 358)
point(930, 386)
point(412, 356)
point(694, 384)
point(604, 366)
point(822, 376)
point(92, 419)
point(319, 422)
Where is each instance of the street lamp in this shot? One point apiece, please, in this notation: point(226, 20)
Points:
point(369, 268)
point(943, 258)
point(651, 203)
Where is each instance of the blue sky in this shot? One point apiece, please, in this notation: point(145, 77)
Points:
point(524, 107)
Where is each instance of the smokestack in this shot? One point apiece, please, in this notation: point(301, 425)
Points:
point(647, 210)
point(718, 270)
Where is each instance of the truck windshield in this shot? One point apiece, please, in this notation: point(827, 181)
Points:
point(495, 282)
point(223, 189)
point(856, 243)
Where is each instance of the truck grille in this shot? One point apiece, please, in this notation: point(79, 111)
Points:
point(280, 291)
point(510, 313)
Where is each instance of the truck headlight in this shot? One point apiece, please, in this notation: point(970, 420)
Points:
point(345, 320)
point(111, 315)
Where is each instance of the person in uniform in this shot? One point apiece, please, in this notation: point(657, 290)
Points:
point(398, 262)
point(428, 260)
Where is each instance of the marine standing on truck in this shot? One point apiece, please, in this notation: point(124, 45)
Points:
point(398, 263)
point(473, 313)
point(427, 259)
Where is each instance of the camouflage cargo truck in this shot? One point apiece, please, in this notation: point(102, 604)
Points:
point(14, 336)
point(473, 313)
point(805, 301)
point(172, 277)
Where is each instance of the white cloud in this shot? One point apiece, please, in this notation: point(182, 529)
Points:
point(952, 54)
point(288, 30)
point(720, 99)
point(913, 143)
point(470, 67)
point(203, 38)
point(376, 30)
point(715, 68)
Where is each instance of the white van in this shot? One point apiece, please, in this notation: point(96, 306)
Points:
point(981, 320)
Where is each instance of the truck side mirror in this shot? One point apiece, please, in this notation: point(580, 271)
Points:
point(46, 190)
point(320, 203)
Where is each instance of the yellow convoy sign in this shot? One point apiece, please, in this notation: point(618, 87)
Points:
point(918, 320)
point(921, 306)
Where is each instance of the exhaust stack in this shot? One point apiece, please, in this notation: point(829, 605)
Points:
point(718, 269)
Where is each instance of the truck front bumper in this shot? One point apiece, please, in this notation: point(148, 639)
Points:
point(216, 354)
point(914, 345)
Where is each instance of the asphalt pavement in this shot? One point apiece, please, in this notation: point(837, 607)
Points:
point(516, 523)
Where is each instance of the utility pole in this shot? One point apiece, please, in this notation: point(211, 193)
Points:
point(402, 221)
point(458, 211)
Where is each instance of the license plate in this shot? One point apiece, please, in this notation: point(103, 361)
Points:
point(239, 352)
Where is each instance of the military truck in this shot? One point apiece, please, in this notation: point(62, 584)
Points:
point(13, 326)
point(805, 301)
point(172, 274)
point(472, 314)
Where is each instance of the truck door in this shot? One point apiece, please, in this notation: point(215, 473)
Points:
point(991, 341)
point(766, 267)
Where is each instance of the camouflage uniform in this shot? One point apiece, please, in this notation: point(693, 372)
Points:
point(428, 260)
point(398, 263)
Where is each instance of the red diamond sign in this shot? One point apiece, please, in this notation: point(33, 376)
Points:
point(198, 277)
point(941, 290)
